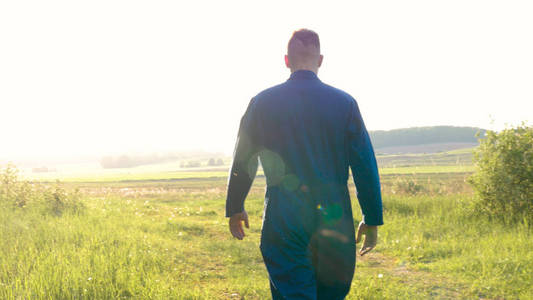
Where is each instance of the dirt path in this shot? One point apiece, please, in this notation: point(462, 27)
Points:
point(433, 285)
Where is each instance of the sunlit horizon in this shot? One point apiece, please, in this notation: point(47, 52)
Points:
point(107, 78)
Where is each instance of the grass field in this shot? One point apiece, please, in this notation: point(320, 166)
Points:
point(144, 174)
point(166, 237)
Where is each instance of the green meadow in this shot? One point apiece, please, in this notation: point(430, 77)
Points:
point(163, 235)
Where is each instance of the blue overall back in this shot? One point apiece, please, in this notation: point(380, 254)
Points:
point(307, 136)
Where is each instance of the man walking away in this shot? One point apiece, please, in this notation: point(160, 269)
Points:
point(307, 135)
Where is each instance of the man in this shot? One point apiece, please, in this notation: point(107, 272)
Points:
point(307, 135)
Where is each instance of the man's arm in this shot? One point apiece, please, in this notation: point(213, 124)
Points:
point(364, 169)
point(365, 174)
point(242, 172)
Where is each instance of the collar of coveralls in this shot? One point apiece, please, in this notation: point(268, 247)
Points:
point(303, 74)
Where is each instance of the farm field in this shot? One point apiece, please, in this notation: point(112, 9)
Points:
point(202, 174)
point(142, 174)
point(164, 236)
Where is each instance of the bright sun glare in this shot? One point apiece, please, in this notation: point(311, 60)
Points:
point(107, 77)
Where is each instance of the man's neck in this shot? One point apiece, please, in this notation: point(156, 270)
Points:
point(314, 70)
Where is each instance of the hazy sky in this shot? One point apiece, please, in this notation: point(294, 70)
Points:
point(81, 77)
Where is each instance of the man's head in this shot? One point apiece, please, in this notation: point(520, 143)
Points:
point(303, 51)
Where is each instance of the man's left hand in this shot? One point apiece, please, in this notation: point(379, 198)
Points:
point(371, 237)
point(235, 224)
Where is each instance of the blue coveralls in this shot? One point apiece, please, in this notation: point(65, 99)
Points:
point(306, 135)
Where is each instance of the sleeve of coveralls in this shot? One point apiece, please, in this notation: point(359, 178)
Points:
point(364, 168)
point(244, 165)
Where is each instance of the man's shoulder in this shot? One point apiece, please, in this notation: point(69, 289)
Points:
point(272, 91)
point(338, 93)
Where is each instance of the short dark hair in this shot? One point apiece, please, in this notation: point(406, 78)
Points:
point(303, 45)
point(306, 36)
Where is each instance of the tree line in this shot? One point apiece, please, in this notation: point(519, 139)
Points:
point(424, 135)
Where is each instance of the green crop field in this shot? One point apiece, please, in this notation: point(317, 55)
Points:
point(163, 235)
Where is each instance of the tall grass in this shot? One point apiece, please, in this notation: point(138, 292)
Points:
point(27, 196)
point(170, 241)
point(440, 234)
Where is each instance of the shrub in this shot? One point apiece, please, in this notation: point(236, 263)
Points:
point(24, 195)
point(12, 191)
point(503, 181)
point(56, 200)
point(407, 186)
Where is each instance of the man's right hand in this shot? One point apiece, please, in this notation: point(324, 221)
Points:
point(235, 224)
point(371, 237)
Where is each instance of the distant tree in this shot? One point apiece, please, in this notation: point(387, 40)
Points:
point(133, 160)
point(122, 161)
point(40, 170)
point(106, 162)
point(193, 164)
point(219, 162)
point(503, 181)
point(424, 135)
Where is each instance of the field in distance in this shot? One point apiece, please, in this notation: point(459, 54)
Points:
point(455, 161)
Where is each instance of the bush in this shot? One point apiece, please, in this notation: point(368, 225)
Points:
point(503, 181)
point(24, 195)
point(407, 186)
point(215, 162)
